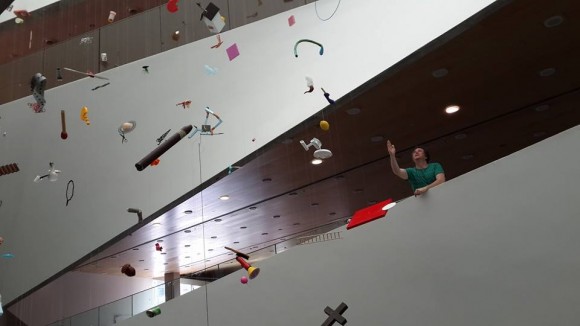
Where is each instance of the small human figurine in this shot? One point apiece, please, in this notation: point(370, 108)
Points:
point(52, 174)
point(158, 247)
point(423, 176)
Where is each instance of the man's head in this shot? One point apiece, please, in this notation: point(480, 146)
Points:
point(420, 154)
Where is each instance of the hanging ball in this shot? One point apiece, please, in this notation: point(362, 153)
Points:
point(244, 280)
point(324, 125)
point(19, 20)
point(223, 18)
point(175, 36)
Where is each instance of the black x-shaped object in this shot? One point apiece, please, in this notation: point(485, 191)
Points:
point(335, 315)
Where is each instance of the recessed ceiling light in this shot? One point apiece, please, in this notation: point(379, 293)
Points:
point(164, 253)
point(146, 269)
point(189, 211)
point(243, 227)
point(442, 72)
point(389, 206)
point(377, 139)
point(265, 233)
point(252, 208)
point(210, 249)
point(224, 197)
point(316, 161)
point(217, 220)
point(165, 263)
point(547, 72)
point(451, 109)
point(460, 136)
point(353, 111)
point(276, 216)
point(141, 259)
point(332, 213)
point(160, 240)
point(135, 248)
point(467, 157)
point(187, 231)
point(280, 229)
point(541, 108)
point(297, 223)
point(553, 21)
point(187, 246)
point(314, 204)
point(214, 237)
point(266, 180)
point(236, 242)
point(187, 257)
point(156, 224)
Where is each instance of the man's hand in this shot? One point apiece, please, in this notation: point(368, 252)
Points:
point(391, 148)
point(420, 191)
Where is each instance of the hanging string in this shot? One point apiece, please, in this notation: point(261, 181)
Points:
point(203, 227)
point(318, 15)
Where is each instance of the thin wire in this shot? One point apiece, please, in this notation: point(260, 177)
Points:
point(334, 12)
point(203, 227)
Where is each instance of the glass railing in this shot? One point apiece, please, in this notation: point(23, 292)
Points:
point(125, 308)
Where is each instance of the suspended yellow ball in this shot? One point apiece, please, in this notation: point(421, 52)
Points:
point(324, 125)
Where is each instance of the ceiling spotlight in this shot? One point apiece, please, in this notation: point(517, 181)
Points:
point(316, 161)
point(320, 152)
point(189, 211)
point(553, 21)
point(460, 136)
point(389, 206)
point(440, 73)
point(547, 72)
point(353, 111)
point(156, 224)
point(452, 109)
point(224, 197)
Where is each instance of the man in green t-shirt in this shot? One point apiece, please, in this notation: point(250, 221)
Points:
point(423, 176)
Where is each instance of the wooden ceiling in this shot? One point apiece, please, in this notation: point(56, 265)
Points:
point(494, 74)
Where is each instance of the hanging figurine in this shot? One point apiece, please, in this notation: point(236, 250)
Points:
point(206, 129)
point(126, 128)
point(52, 174)
point(327, 96)
point(309, 84)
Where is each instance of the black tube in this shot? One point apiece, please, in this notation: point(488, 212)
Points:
point(164, 147)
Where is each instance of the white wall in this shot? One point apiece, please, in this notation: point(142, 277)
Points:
point(496, 246)
point(259, 95)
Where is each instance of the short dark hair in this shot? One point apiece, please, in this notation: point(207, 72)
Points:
point(427, 155)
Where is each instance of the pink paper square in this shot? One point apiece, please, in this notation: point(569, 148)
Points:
point(233, 51)
point(291, 20)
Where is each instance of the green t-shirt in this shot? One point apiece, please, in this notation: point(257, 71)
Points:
point(419, 178)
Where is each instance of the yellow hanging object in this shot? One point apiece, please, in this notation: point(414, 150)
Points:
point(324, 125)
point(223, 18)
point(85, 115)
